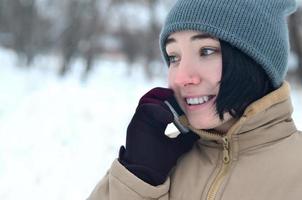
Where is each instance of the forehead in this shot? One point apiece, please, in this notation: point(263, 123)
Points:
point(189, 35)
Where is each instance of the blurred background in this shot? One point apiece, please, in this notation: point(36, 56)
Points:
point(71, 74)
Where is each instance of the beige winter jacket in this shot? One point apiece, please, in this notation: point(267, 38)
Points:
point(260, 158)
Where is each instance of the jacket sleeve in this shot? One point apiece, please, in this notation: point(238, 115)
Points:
point(119, 183)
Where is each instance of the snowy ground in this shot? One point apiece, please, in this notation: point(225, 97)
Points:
point(59, 136)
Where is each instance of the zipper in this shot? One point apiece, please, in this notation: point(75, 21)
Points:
point(223, 170)
point(225, 154)
point(226, 150)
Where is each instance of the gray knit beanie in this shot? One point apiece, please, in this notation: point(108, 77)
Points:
point(256, 27)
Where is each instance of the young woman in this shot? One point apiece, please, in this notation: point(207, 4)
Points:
point(227, 61)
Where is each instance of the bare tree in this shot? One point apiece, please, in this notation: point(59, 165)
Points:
point(152, 37)
point(71, 35)
point(90, 33)
point(295, 27)
point(27, 31)
point(141, 43)
point(81, 33)
point(22, 16)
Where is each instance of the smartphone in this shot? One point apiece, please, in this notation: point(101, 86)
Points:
point(176, 121)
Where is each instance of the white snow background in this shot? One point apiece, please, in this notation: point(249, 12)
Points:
point(58, 136)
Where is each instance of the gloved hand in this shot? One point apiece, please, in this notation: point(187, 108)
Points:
point(149, 153)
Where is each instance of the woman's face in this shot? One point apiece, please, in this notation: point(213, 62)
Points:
point(194, 74)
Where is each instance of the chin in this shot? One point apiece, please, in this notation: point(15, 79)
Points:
point(202, 124)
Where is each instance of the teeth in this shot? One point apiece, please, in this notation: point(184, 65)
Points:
point(197, 100)
point(206, 98)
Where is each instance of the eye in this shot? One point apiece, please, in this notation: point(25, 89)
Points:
point(173, 59)
point(206, 51)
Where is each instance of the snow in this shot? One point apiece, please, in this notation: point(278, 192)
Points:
point(58, 136)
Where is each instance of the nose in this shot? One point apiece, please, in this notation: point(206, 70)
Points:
point(186, 74)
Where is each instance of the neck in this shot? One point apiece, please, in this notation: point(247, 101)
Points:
point(224, 128)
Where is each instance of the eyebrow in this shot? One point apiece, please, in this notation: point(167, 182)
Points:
point(199, 36)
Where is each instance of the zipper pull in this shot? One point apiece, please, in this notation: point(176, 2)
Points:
point(226, 152)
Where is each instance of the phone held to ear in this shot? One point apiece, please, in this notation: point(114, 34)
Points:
point(176, 121)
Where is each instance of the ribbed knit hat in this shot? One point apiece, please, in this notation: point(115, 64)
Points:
point(256, 27)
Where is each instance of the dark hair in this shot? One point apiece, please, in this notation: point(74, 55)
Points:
point(243, 81)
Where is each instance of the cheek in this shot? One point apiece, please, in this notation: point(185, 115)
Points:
point(174, 87)
point(214, 72)
point(219, 69)
point(171, 78)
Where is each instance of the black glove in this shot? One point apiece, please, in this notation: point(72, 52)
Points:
point(149, 153)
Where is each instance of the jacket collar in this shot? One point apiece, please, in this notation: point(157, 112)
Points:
point(266, 120)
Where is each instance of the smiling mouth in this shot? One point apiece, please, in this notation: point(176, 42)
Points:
point(198, 100)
